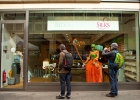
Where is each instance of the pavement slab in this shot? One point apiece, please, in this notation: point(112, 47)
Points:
point(76, 95)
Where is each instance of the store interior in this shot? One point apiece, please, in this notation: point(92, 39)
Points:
point(43, 45)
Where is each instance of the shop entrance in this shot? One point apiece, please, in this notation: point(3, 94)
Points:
point(12, 54)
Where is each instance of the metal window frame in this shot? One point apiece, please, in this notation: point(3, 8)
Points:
point(25, 49)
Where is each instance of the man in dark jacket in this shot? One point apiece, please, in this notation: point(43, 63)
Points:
point(65, 75)
point(110, 54)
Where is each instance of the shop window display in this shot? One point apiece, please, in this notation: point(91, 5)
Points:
point(93, 66)
point(79, 43)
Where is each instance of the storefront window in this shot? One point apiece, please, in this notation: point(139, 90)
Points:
point(79, 31)
point(11, 55)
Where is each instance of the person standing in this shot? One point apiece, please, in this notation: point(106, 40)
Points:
point(65, 74)
point(110, 54)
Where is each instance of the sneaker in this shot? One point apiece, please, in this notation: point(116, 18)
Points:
point(110, 95)
point(60, 97)
point(68, 97)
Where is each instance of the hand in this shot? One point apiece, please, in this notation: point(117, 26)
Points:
point(106, 49)
point(83, 66)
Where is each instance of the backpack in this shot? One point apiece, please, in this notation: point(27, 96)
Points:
point(68, 61)
point(119, 60)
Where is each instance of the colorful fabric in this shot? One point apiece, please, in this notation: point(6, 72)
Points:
point(93, 68)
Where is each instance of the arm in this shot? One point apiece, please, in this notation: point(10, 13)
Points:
point(88, 58)
point(104, 53)
point(61, 58)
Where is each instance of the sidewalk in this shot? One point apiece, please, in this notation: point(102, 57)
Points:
point(76, 95)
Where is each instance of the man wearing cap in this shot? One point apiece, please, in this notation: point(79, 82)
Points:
point(110, 54)
point(65, 75)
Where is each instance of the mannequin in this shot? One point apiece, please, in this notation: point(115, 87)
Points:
point(93, 66)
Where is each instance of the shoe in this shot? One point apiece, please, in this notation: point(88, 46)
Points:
point(110, 95)
point(116, 94)
point(60, 97)
point(68, 97)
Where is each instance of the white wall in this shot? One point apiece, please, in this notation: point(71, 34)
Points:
point(6, 58)
point(102, 5)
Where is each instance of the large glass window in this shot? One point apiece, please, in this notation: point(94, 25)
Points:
point(78, 30)
point(11, 55)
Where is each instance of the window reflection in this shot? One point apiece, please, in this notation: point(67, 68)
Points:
point(44, 45)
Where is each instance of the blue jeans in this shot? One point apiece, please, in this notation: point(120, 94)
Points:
point(113, 80)
point(65, 77)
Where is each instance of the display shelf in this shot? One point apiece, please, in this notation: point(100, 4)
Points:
point(130, 57)
point(132, 76)
point(130, 80)
point(130, 66)
point(130, 69)
point(130, 63)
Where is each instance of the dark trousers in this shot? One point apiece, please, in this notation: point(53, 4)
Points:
point(113, 80)
point(65, 78)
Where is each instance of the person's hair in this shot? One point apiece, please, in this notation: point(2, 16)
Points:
point(62, 46)
point(114, 45)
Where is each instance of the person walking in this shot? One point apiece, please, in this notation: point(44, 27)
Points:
point(64, 73)
point(110, 54)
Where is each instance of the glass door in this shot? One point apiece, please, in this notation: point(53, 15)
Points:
point(12, 54)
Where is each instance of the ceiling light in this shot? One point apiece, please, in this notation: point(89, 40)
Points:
point(66, 34)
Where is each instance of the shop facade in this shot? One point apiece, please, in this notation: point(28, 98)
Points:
point(31, 33)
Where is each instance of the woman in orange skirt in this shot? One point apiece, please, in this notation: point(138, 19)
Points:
point(93, 66)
